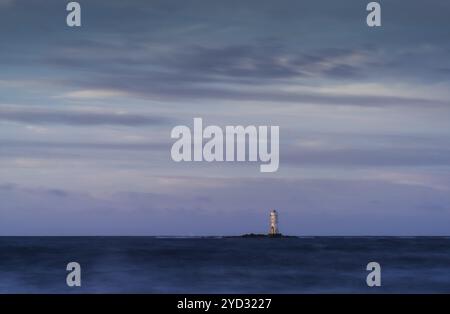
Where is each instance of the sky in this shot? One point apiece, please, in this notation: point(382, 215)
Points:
point(86, 115)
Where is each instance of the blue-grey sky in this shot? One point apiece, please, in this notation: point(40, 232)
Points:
point(86, 115)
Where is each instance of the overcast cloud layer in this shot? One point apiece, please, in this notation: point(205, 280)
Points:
point(86, 115)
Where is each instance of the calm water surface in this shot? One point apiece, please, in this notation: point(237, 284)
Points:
point(224, 265)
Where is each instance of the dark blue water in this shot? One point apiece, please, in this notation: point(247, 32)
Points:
point(224, 265)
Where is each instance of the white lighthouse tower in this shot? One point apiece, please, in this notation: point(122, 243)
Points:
point(273, 231)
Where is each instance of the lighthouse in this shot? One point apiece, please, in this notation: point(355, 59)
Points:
point(273, 231)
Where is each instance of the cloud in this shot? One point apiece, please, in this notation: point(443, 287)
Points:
point(367, 157)
point(93, 94)
point(262, 60)
point(247, 62)
point(6, 3)
point(252, 63)
point(251, 72)
point(76, 117)
point(79, 145)
point(231, 206)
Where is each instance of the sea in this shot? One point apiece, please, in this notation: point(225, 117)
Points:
point(225, 265)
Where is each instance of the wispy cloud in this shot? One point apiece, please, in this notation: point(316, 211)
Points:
point(76, 117)
point(92, 94)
